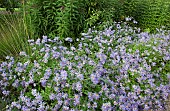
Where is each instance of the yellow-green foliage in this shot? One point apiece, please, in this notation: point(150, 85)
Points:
point(13, 35)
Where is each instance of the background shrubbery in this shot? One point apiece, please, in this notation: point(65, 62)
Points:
point(68, 17)
point(10, 4)
point(150, 14)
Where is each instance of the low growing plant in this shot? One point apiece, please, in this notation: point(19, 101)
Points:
point(109, 70)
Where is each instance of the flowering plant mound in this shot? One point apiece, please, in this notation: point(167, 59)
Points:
point(109, 70)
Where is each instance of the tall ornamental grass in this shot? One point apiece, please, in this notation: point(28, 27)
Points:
point(15, 30)
point(117, 69)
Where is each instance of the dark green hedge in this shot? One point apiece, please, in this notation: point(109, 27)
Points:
point(10, 4)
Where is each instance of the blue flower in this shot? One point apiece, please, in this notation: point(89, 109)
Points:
point(69, 39)
point(43, 82)
point(38, 42)
point(5, 92)
point(52, 96)
point(63, 62)
point(44, 40)
point(78, 86)
point(94, 78)
point(106, 107)
point(34, 92)
point(63, 74)
point(76, 99)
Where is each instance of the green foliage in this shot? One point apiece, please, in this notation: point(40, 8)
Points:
point(9, 4)
point(156, 16)
point(98, 11)
point(67, 18)
point(54, 17)
point(152, 55)
point(150, 14)
point(15, 30)
point(127, 66)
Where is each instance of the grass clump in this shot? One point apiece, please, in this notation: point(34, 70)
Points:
point(15, 30)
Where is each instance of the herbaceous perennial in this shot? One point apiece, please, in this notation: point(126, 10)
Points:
point(111, 70)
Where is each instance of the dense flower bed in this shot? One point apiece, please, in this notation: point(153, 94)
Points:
point(111, 70)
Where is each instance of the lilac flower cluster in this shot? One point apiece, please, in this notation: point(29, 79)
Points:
point(110, 70)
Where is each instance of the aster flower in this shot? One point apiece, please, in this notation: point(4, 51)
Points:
point(44, 40)
point(48, 72)
point(76, 99)
point(55, 54)
point(22, 53)
point(94, 78)
point(52, 96)
point(65, 108)
point(38, 98)
point(94, 96)
point(80, 76)
point(38, 42)
point(25, 108)
point(34, 92)
point(67, 102)
point(63, 62)
point(106, 107)
point(108, 32)
point(30, 40)
point(68, 39)
point(102, 57)
point(15, 104)
point(5, 93)
point(16, 83)
point(78, 86)
point(43, 82)
point(63, 74)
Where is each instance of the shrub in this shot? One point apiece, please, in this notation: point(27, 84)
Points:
point(67, 18)
point(114, 69)
point(9, 4)
point(150, 14)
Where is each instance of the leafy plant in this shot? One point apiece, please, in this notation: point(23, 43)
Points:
point(150, 14)
point(108, 70)
point(157, 15)
point(9, 4)
point(67, 18)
